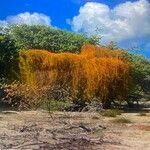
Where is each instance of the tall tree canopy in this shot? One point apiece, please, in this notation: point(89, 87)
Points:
point(44, 37)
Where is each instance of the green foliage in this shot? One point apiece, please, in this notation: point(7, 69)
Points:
point(112, 45)
point(140, 72)
point(44, 37)
point(57, 105)
point(8, 58)
point(111, 113)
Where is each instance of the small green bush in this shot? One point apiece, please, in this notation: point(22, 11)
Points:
point(57, 105)
point(111, 113)
point(122, 120)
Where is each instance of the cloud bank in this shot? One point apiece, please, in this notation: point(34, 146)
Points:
point(129, 20)
point(27, 18)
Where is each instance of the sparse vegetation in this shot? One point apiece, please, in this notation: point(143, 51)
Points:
point(122, 120)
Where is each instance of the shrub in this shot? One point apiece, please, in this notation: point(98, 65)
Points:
point(56, 105)
point(111, 113)
point(20, 96)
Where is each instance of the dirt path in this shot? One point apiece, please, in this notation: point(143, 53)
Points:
point(39, 130)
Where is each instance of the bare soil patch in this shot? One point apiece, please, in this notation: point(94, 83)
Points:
point(38, 130)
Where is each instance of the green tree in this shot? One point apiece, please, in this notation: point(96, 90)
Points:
point(8, 58)
point(44, 37)
point(140, 72)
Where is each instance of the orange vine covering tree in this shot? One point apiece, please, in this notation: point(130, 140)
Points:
point(94, 73)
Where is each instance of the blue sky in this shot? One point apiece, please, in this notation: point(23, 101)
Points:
point(126, 22)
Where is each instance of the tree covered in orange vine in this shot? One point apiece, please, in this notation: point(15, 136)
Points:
point(95, 72)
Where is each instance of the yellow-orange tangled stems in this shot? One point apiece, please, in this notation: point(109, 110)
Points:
point(95, 72)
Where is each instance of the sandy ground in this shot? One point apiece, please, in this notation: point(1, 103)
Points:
point(39, 130)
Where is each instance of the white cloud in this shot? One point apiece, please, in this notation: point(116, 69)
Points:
point(128, 20)
point(27, 18)
point(3, 23)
